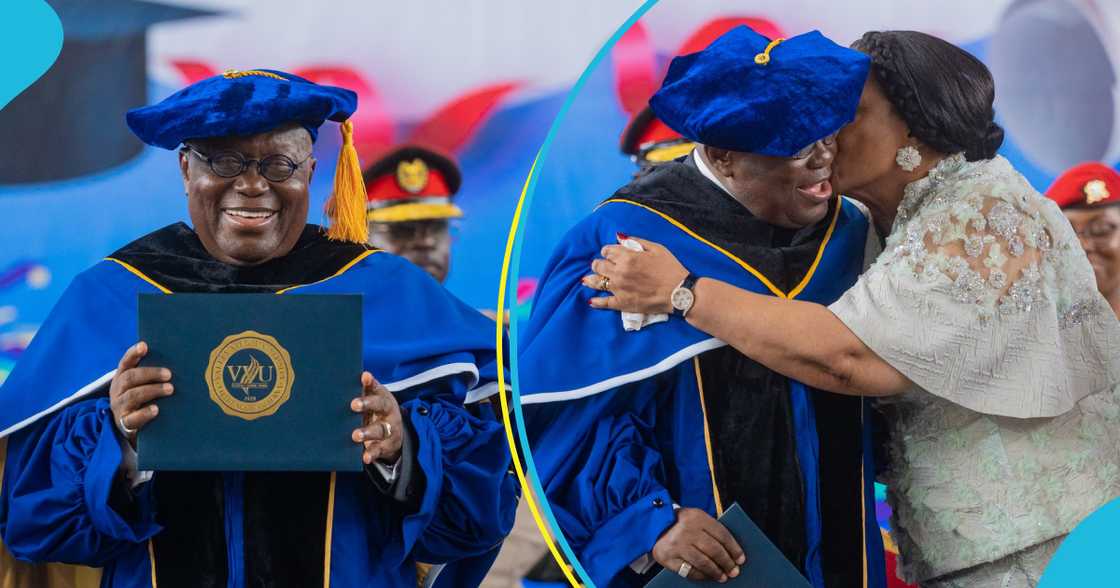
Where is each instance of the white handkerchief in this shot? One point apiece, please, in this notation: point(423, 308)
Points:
point(634, 321)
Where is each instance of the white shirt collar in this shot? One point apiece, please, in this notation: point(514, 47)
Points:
point(705, 170)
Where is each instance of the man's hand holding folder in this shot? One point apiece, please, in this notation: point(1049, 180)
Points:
point(698, 547)
point(765, 568)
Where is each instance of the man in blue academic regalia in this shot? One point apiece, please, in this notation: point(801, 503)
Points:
point(647, 429)
point(435, 486)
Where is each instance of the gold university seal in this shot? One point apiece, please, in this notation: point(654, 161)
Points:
point(249, 375)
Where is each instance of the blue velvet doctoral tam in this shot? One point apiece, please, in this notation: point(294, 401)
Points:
point(240, 103)
point(807, 90)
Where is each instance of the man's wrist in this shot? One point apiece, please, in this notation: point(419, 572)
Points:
point(643, 564)
point(389, 471)
point(403, 480)
point(389, 460)
point(129, 465)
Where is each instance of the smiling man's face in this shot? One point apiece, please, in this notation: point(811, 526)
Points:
point(788, 192)
point(248, 219)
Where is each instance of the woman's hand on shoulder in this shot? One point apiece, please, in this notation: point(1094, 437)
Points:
point(638, 281)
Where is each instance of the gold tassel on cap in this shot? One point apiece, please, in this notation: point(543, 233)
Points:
point(347, 207)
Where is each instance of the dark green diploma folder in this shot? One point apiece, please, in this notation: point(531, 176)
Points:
point(766, 566)
point(262, 382)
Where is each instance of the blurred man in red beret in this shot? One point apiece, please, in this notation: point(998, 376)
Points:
point(1089, 194)
point(650, 142)
point(409, 208)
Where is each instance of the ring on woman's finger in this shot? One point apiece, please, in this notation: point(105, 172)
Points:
point(388, 429)
point(685, 569)
point(127, 431)
point(604, 283)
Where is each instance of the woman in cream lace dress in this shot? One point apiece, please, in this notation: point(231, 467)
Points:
point(979, 326)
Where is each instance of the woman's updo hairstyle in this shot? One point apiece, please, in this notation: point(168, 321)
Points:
point(941, 91)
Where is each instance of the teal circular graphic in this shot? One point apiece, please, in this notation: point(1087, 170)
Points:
point(1085, 557)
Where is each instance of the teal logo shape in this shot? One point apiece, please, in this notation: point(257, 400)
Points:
point(1087, 555)
point(30, 41)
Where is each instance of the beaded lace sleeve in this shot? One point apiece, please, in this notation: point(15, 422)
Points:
point(983, 297)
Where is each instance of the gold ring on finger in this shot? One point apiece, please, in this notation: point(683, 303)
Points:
point(127, 431)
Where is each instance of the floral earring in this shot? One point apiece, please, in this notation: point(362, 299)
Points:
point(908, 158)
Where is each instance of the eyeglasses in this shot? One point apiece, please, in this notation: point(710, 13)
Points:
point(808, 149)
point(1098, 230)
point(230, 164)
point(416, 230)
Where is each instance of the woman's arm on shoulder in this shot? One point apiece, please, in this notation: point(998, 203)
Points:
point(801, 340)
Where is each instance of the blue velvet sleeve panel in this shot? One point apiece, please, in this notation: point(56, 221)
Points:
point(562, 325)
point(55, 500)
point(444, 355)
point(603, 473)
point(413, 330)
point(471, 571)
point(474, 501)
point(77, 349)
point(468, 500)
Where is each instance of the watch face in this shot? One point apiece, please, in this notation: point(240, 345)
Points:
point(682, 299)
